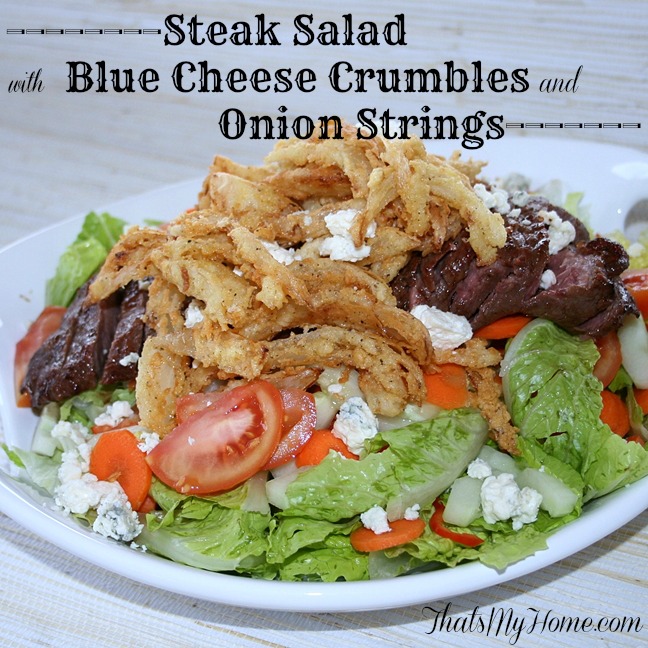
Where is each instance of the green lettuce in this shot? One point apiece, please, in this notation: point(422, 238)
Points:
point(307, 549)
point(215, 533)
point(83, 257)
point(556, 402)
point(410, 465)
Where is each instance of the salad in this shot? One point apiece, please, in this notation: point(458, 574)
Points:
point(301, 475)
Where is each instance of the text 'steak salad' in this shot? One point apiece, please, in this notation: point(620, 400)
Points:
point(354, 361)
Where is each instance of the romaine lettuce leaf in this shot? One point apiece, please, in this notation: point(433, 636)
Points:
point(418, 463)
point(83, 257)
point(210, 533)
point(306, 549)
point(556, 402)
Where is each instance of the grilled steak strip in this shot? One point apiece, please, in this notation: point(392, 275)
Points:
point(588, 297)
point(71, 359)
point(128, 338)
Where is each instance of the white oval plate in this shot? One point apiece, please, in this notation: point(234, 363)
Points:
point(613, 179)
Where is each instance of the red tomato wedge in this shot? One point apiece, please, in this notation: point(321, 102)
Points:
point(46, 323)
point(190, 404)
point(609, 363)
point(222, 445)
point(299, 422)
point(636, 281)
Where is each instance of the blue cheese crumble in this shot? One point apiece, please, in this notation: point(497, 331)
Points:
point(193, 315)
point(114, 414)
point(375, 519)
point(340, 246)
point(561, 232)
point(502, 499)
point(79, 491)
point(447, 330)
point(355, 423)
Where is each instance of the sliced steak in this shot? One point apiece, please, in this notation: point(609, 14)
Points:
point(129, 337)
point(588, 297)
point(71, 359)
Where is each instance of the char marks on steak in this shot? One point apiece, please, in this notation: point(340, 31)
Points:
point(588, 297)
point(129, 337)
point(75, 357)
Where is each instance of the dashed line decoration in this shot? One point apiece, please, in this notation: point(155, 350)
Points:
point(550, 125)
point(82, 32)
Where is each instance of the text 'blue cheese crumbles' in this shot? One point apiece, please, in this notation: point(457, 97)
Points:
point(355, 423)
point(447, 330)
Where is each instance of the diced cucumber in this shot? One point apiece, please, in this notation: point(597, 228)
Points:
point(557, 498)
point(499, 462)
point(634, 349)
point(257, 499)
point(43, 443)
point(326, 410)
point(464, 502)
point(411, 414)
point(276, 488)
point(341, 384)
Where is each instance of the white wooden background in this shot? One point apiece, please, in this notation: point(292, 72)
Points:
point(63, 154)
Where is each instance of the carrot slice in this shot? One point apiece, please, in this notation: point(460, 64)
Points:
point(117, 457)
point(448, 388)
point(615, 413)
point(504, 328)
point(318, 447)
point(124, 423)
point(402, 531)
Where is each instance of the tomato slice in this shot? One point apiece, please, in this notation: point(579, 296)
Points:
point(636, 281)
point(299, 422)
point(438, 526)
point(222, 445)
point(190, 404)
point(610, 359)
point(46, 323)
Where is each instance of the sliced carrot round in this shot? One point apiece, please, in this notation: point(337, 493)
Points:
point(117, 457)
point(504, 328)
point(615, 413)
point(641, 395)
point(402, 531)
point(448, 388)
point(318, 447)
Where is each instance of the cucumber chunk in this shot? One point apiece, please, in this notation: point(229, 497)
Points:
point(464, 502)
point(557, 498)
point(499, 462)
